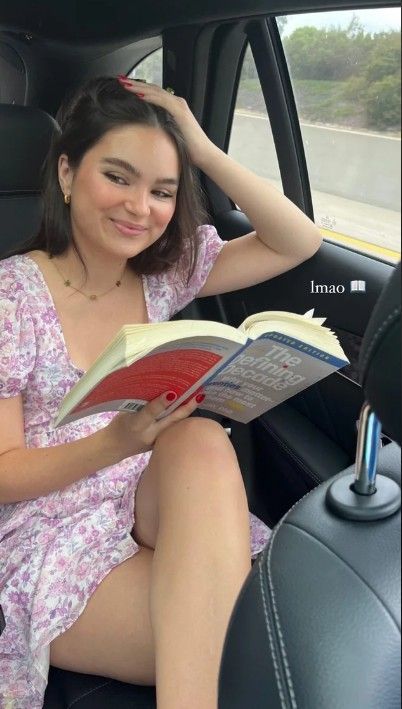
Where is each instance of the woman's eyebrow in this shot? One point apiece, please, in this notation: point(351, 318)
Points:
point(118, 162)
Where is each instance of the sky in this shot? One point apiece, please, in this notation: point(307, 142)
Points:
point(378, 20)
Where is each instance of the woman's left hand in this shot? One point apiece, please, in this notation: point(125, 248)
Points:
point(196, 140)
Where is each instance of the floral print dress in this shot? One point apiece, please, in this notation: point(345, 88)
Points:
point(56, 549)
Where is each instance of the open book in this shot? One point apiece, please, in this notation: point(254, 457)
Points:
point(243, 371)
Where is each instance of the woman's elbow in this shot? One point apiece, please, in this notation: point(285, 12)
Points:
point(316, 241)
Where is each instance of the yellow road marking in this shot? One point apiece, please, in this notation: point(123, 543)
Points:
point(359, 244)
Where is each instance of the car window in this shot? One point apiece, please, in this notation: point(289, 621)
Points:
point(346, 69)
point(149, 68)
point(251, 141)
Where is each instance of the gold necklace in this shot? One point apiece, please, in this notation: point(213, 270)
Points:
point(91, 297)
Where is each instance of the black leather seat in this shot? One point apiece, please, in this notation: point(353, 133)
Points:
point(25, 134)
point(317, 623)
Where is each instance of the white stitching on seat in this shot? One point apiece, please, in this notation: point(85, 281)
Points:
point(270, 546)
point(271, 642)
point(281, 638)
point(94, 689)
point(395, 311)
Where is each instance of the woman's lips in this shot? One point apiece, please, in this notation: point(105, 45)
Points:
point(128, 230)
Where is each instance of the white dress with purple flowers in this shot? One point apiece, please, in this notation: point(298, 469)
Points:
point(56, 549)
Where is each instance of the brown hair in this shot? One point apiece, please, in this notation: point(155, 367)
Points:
point(97, 107)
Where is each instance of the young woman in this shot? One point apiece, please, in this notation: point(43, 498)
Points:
point(124, 542)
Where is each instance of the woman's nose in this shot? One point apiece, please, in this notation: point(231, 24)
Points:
point(138, 202)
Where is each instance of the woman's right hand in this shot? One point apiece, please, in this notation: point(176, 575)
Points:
point(135, 433)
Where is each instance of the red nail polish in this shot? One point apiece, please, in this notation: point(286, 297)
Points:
point(200, 398)
point(171, 396)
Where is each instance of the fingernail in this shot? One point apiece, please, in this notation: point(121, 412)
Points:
point(171, 396)
point(128, 85)
point(199, 398)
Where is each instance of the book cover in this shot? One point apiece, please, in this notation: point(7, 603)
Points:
point(239, 381)
point(266, 372)
point(179, 366)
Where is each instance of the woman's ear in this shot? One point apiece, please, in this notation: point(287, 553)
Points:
point(65, 174)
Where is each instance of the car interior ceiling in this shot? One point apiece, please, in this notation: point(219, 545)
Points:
point(90, 20)
point(46, 49)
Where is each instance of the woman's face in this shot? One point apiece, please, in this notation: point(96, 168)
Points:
point(123, 194)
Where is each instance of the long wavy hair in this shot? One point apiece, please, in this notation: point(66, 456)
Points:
point(100, 105)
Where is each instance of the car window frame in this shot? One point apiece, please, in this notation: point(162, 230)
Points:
point(213, 98)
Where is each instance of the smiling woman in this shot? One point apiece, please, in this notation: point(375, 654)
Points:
point(120, 233)
point(114, 120)
point(122, 241)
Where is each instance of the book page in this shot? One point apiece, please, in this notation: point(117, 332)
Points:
point(308, 329)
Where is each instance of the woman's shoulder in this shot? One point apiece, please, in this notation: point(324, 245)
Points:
point(209, 241)
point(172, 290)
point(18, 275)
point(205, 230)
point(12, 269)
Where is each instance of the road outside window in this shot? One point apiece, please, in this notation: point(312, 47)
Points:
point(346, 75)
point(149, 68)
point(251, 139)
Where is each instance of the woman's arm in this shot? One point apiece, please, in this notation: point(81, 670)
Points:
point(278, 223)
point(28, 473)
point(33, 472)
point(284, 236)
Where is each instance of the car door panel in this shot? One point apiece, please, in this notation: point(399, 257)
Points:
point(312, 436)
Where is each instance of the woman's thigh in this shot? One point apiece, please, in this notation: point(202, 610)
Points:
point(113, 635)
point(185, 443)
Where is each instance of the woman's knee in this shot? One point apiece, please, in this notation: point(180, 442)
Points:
point(195, 434)
point(197, 443)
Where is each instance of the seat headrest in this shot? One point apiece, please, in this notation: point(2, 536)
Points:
point(380, 358)
point(25, 135)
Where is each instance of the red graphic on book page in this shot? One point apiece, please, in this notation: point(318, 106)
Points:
point(150, 377)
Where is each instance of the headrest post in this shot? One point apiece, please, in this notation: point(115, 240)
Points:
point(366, 497)
point(368, 444)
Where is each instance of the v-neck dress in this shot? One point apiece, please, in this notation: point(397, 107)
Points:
point(56, 549)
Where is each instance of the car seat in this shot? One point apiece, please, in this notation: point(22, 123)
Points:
point(317, 623)
point(25, 134)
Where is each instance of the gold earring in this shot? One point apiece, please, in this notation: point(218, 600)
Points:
point(67, 199)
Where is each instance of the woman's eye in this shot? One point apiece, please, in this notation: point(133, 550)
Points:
point(163, 195)
point(115, 178)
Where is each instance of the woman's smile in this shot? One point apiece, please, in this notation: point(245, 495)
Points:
point(128, 228)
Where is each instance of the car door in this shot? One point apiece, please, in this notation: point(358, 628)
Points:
point(290, 449)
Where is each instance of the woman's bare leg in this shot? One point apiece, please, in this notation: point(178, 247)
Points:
point(201, 559)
